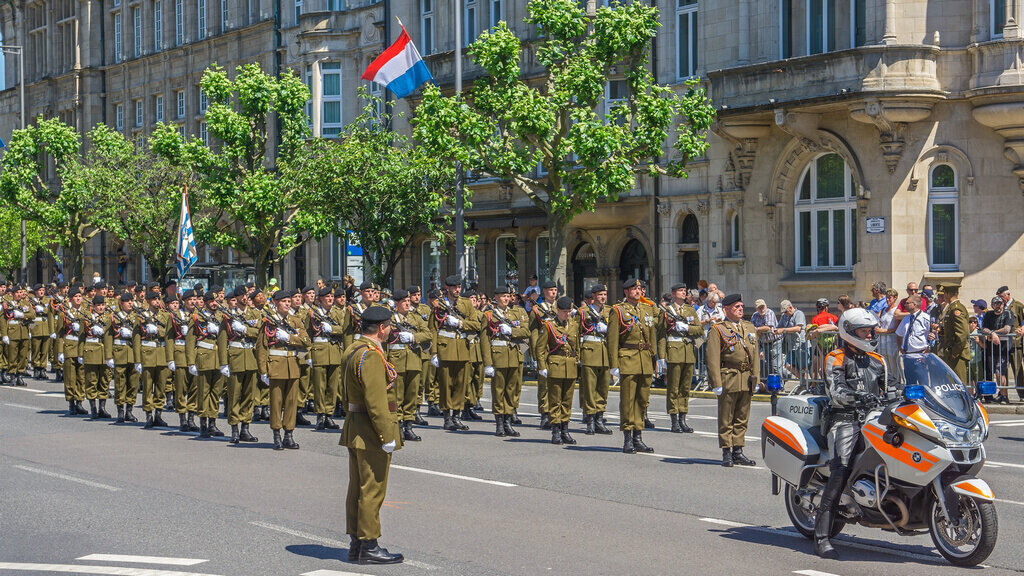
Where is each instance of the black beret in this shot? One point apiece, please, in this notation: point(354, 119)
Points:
point(152, 295)
point(413, 289)
point(171, 283)
point(139, 288)
point(548, 284)
point(564, 303)
point(400, 294)
point(99, 285)
point(325, 291)
point(308, 289)
point(216, 288)
point(366, 285)
point(211, 295)
point(375, 315)
point(239, 291)
point(72, 292)
point(36, 286)
point(453, 280)
point(97, 300)
point(282, 295)
point(435, 293)
point(629, 283)
point(340, 292)
point(188, 294)
point(62, 284)
point(598, 288)
point(151, 285)
point(470, 292)
point(731, 299)
point(127, 297)
point(503, 289)
point(168, 299)
point(1002, 289)
point(678, 286)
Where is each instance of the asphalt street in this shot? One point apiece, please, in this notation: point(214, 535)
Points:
point(78, 496)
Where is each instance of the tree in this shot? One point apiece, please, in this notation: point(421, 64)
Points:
point(507, 126)
point(373, 186)
point(138, 195)
point(63, 206)
point(10, 250)
point(254, 206)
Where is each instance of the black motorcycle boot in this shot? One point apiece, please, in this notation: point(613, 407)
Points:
point(683, 425)
point(409, 434)
point(234, 434)
point(277, 440)
point(245, 435)
point(638, 441)
point(102, 411)
point(289, 441)
point(120, 414)
point(515, 418)
point(418, 419)
point(739, 458)
point(556, 434)
point(320, 422)
point(204, 429)
point(192, 422)
point(211, 426)
point(158, 419)
point(509, 430)
point(149, 420)
point(675, 424)
point(353, 548)
point(588, 419)
point(599, 424)
point(92, 410)
point(627, 444)
point(371, 553)
point(822, 529)
point(499, 425)
point(128, 416)
point(566, 438)
point(300, 420)
point(727, 457)
point(545, 421)
point(182, 423)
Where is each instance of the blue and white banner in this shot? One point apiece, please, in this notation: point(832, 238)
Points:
point(186, 254)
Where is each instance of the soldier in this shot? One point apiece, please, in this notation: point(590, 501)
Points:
point(70, 357)
point(306, 395)
point(42, 330)
point(631, 336)
point(326, 328)
point(955, 331)
point(5, 377)
point(506, 329)
point(557, 358)
point(651, 309)
point(733, 372)
point(20, 316)
point(262, 411)
point(408, 332)
point(594, 377)
point(454, 317)
point(238, 334)
point(154, 354)
point(541, 312)
point(431, 392)
point(342, 316)
point(207, 363)
point(185, 400)
point(475, 370)
point(97, 356)
point(281, 340)
point(127, 359)
point(676, 346)
point(57, 301)
point(371, 434)
point(423, 311)
point(1016, 308)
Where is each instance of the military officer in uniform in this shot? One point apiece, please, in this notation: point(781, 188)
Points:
point(541, 312)
point(431, 392)
point(407, 334)
point(676, 345)
point(42, 331)
point(475, 383)
point(127, 357)
point(71, 323)
point(325, 325)
point(594, 377)
point(238, 334)
point(454, 317)
point(423, 311)
point(97, 354)
point(18, 337)
point(153, 356)
point(733, 372)
point(57, 302)
point(507, 327)
point(262, 306)
point(955, 331)
point(282, 341)
point(5, 377)
point(207, 363)
point(185, 400)
point(371, 434)
point(557, 362)
point(631, 342)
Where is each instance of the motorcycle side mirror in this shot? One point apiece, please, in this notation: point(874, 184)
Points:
point(986, 388)
point(915, 392)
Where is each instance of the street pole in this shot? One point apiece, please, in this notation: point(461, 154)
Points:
point(460, 175)
point(20, 51)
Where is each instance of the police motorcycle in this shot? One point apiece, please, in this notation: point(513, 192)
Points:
point(914, 469)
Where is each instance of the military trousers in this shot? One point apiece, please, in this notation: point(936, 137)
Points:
point(262, 393)
point(542, 394)
point(185, 393)
point(305, 384)
point(429, 382)
point(677, 384)
point(408, 386)
point(126, 384)
point(284, 401)
point(40, 351)
point(241, 397)
point(325, 381)
point(17, 354)
point(594, 385)
point(634, 396)
point(560, 391)
point(74, 380)
point(505, 386)
point(367, 486)
point(153, 379)
point(209, 387)
point(451, 382)
point(96, 384)
point(959, 367)
point(733, 414)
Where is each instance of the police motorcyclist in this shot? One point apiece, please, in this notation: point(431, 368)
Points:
point(855, 380)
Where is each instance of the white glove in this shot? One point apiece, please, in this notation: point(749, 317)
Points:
point(489, 371)
point(615, 373)
point(406, 337)
point(543, 373)
point(138, 368)
point(237, 326)
point(212, 328)
point(98, 330)
point(265, 379)
point(192, 370)
point(76, 326)
point(282, 335)
point(662, 365)
point(19, 314)
point(151, 329)
point(717, 390)
point(172, 366)
point(682, 327)
point(53, 336)
point(110, 363)
point(60, 358)
point(325, 327)
point(453, 321)
point(81, 360)
point(39, 309)
point(309, 362)
point(125, 332)
point(6, 340)
point(433, 359)
point(389, 447)
point(602, 328)
point(184, 330)
point(226, 371)
point(505, 330)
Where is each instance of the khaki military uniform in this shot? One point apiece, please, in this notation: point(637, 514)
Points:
point(540, 313)
point(5, 364)
point(631, 341)
point(955, 338)
point(453, 350)
point(126, 354)
point(408, 362)
point(680, 354)
point(154, 353)
point(503, 353)
point(475, 385)
point(1016, 308)
point(57, 339)
point(97, 348)
point(558, 353)
point(279, 360)
point(42, 327)
point(71, 351)
point(594, 377)
point(185, 398)
point(19, 332)
point(202, 351)
point(326, 351)
point(241, 385)
point(305, 363)
point(733, 366)
point(372, 422)
point(428, 384)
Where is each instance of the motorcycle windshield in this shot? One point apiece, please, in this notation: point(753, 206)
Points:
point(944, 393)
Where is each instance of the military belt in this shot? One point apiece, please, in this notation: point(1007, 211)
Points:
point(447, 334)
point(396, 346)
point(676, 339)
point(283, 353)
point(742, 366)
point(179, 342)
point(242, 345)
point(640, 346)
point(566, 353)
point(39, 319)
point(361, 408)
point(592, 338)
point(120, 342)
point(150, 344)
point(92, 340)
point(321, 340)
point(499, 342)
point(205, 345)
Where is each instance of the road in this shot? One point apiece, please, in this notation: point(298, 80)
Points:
point(78, 496)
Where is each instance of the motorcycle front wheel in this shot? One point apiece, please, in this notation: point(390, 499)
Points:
point(971, 541)
point(802, 520)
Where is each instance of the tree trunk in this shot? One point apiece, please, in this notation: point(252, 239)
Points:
point(74, 258)
point(262, 262)
point(557, 256)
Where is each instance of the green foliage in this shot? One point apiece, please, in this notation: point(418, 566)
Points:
point(253, 207)
point(10, 249)
point(370, 185)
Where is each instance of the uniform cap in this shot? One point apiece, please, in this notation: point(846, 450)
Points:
point(171, 283)
point(413, 289)
point(547, 284)
point(168, 299)
point(239, 291)
point(74, 292)
point(1002, 289)
point(340, 292)
point(400, 294)
point(216, 288)
point(97, 300)
point(435, 293)
point(99, 285)
point(503, 289)
point(62, 284)
point(36, 286)
point(308, 289)
point(188, 294)
point(564, 303)
point(453, 280)
point(211, 295)
point(598, 288)
point(139, 288)
point(469, 293)
point(127, 297)
point(678, 286)
point(367, 285)
point(282, 295)
point(731, 299)
point(629, 283)
point(325, 291)
point(376, 315)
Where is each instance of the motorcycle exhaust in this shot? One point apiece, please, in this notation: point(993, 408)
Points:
point(900, 516)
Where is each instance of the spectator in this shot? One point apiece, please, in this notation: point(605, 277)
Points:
point(1016, 309)
point(878, 301)
point(122, 262)
point(902, 310)
point(530, 299)
point(823, 335)
point(769, 342)
point(824, 318)
point(711, 312)
point(57, 275)
point(702, 298)
point(533, 287)
point(980, 307)
point(928, 304)
point(995, 327)
point(914, 332)
point(791, 327)
point(692, 297)
point(974, 369)
point(887, 325)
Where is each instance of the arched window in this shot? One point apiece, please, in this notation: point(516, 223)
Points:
point(734, 235)
point(826, 212)
point(943, 230)
point(691, 230)
point(506, 261)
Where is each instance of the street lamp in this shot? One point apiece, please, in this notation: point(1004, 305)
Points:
point(460, 174)
point(20, 51)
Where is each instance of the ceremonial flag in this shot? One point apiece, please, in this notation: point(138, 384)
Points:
point(400, 67)
point(186, 254)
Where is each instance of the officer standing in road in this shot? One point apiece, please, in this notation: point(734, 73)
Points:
point(207, 363)
point(676, 346)
point(97, 356)
point(557, 362)
point(955, 331)
point(238, 333)
point(421, 309)
point(431, 392)
point(541, 312)
point(371, 434)
point(506, 328)
point(475, 369)
point(127, 360)
point(282, 339)
point(185, 401)
point(5, 365)
point(42, 331)
point(403, 352)
point(18, 337)
point(631, 341)
point(153, 356)
point(594, 377)
point(454, 317)
point(72, 324)
point(733, 372)
point(326, 328)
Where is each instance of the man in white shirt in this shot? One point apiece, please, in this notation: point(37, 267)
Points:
point(914, 332)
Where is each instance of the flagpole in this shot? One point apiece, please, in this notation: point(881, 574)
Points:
point(460, 175)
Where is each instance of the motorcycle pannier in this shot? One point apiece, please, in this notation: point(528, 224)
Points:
point(788, 449)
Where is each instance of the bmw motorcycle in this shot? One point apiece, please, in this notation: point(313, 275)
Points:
point(915, 469)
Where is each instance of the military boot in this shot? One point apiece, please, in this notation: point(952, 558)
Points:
point(675, 423)
point(330, 424)
point(319, 421)
point(588, 419)
point(545, 421)
point(120, 414)
point(627, 443)
point(128, 416)
point(433, 410)
point(289, 442)
point(204, 430)
point(638, 441)
point(599, 426)
point(149, 420)
point(515, 418)
point(739, 458)
point(92, 410)
point(158, 420)
point(499, 425)
point(234, 434)
point(59, 374)
point(409, 434)
point(683, 425)
point(648, 425)
point(168, 401)
point(21, 382)
point(469, 414)
point(566, 438)
point(211, 426)
point(448, 423)
point(353, 548)
point(509, 430)
point(300, 420)
point(371, 553)
point(556, 435)
point(727, 457)
point(79, 409)
point(277, 440)
point(245, 435)
point(182, 423)
point(418, 419)
point(72, 410)
point(192, 423)
point(102, 412)
point(459, 425)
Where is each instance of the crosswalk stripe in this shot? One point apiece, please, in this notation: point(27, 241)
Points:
point(331, 573)
point(142, 559)
point(104, 570)
point(66, 477)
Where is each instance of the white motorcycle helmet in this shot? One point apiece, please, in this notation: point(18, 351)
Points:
point(854, 319)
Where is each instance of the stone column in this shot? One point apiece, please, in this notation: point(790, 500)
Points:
point(316, 105)
point(1012, 29)
point(889, 37)
point(743, 38)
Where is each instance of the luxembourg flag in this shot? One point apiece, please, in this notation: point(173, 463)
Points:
point(400, 67)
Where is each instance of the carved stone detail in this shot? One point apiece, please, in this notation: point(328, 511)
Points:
point(891, 120)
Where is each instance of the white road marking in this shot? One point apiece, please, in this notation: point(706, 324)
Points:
point(421, 565)
point(68, 478)
point(142, 559)
point(1005, 464)
point(1005, 422)
point(21, 389)
point(299, 534)
point(813, 573)
point(689, 457)
point(454, 476)
point(22, 406)
point(331, 573)
point(1009, 502)
point(729, 523)
point(81, 569)
point(1008, 424)
point(52, 394)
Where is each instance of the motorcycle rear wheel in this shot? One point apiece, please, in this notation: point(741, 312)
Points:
point(801, 519)
point(972, 542)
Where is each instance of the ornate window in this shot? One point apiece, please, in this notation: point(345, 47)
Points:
point(686, 38)
point(430, 272)
point(943, 228)
point(826, 215)
point(506, 260)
